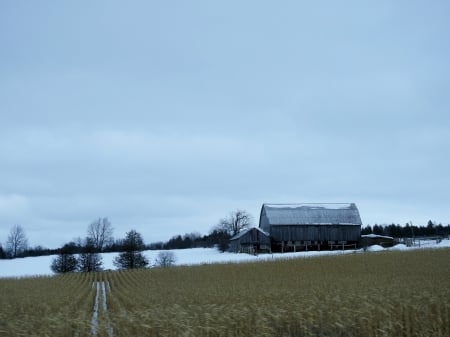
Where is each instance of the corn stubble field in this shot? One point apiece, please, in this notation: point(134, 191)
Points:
point(370, 294)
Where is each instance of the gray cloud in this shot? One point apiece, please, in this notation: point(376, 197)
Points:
point(165, 118)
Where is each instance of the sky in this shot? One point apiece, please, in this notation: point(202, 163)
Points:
point(166, 116)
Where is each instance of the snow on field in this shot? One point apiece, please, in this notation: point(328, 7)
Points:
point(40, 266)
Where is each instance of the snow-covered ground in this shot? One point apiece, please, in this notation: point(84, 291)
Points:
point(40, 266)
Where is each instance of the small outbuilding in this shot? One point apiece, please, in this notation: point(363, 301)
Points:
point(374, 239)
point(251, 240)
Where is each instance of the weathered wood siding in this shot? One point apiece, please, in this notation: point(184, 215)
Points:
point(315, 232)
point(252, 238)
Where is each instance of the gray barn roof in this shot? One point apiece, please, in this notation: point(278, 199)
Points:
point(308, 214)
point(245, 231)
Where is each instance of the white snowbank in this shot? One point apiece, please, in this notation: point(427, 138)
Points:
point(375, 248)
point(40, 266)
point(400, 246)
point(377, 236)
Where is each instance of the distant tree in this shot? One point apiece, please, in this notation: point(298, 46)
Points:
point(2, 253)
point(188, 240)
point(446, 231)
point(100, 233)
point(219, 238)
point(65, 262)
point(366, 230)
point(89, 259)
point(393, 230)
point(39, 251)
point(409, 230)
point(175, 242)
point(132, 256)
point(17, 241)
point(378, 230)
point(235, 222)
point(165, 259)
point(156, 245)
point(432, 228)
point(73, 247)
point(440, 230)
point(116, 246)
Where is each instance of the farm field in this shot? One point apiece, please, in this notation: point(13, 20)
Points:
point(367, 294)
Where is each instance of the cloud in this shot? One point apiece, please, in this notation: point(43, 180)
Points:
point(13, 205)
point(168, 117)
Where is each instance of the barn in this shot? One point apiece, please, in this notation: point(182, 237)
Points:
point(295, 227)
point(251, 240)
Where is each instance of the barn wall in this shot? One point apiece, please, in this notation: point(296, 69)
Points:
point(263, 221)
point(234, 246)
point(316, 233)
point(250, 239)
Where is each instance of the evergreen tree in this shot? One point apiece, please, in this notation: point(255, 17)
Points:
point(366, 230)
point(219, 238)
point(132, 256)
point(378, 230)
point(64, 263)
point(2, 253)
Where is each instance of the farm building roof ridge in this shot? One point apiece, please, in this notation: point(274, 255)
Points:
point(309, 214)
point(245, 231)
point(341, 205)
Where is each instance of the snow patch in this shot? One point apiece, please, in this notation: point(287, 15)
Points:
point(375, 248)
point(40, 266)
point(377, 236)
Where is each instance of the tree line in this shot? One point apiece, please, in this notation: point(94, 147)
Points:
point(408, 230)
point(90, 260)
point(99, 239)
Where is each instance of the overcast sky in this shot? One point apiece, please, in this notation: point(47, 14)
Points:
point(164, 116)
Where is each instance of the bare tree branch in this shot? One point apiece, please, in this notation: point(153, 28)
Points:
point(235, 222)
point(100, 233)
point(17, 241)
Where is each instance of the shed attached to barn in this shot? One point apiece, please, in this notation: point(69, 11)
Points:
point(374, 239)
point(311, 226)
point(251, 240)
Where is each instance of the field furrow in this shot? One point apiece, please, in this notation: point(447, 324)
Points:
point(385, 294)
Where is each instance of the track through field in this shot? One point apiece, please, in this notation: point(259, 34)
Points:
point(101, 293)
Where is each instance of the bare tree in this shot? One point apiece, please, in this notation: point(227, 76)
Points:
point(17, 241)
point(235, 222)
point(100, 233)
point(165, 259)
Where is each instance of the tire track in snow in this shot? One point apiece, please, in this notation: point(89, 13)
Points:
point(101, 292)
point(109, 328)
point(94, 319)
